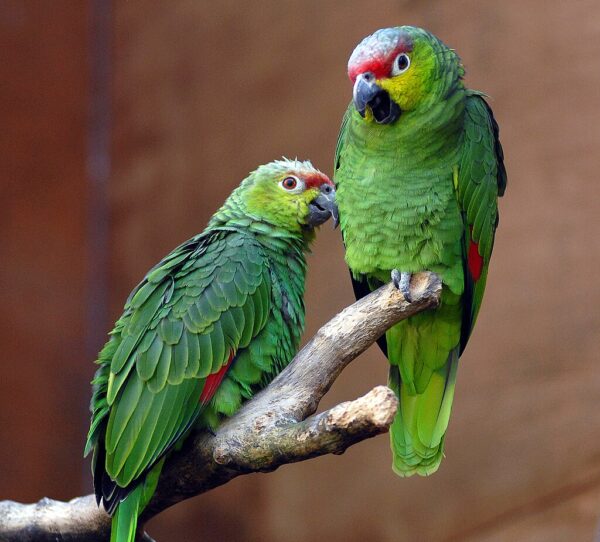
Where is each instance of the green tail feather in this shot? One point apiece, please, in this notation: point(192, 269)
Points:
point(124, 522)
point(125, 518)
point(417, 433)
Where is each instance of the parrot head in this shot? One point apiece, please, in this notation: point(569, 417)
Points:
point(289, 194)
point(401, 69)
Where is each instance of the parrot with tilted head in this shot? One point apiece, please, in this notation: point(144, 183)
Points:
point(418, 171)
point(209, 326)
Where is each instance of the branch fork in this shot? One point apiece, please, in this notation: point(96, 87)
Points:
point(274, 428)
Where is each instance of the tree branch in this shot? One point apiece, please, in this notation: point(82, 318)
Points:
point(272, 429)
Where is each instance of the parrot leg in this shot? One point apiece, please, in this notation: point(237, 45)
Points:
point(401, 280)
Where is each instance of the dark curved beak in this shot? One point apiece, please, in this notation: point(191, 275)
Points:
point(365, 89)
point(367, 93)
point(323, 207)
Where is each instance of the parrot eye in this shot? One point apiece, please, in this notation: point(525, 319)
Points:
point(401, 64)
point(291, 183)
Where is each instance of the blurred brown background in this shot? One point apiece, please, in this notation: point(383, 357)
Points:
point(124, 126)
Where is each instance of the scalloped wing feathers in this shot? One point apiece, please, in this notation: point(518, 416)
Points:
point(203, 303)
point(481, 180)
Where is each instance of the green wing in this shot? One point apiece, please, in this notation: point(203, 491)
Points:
point(198, 307)
point(341, 140)
point(481, 179)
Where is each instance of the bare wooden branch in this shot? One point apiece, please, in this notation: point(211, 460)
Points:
point(274, 428)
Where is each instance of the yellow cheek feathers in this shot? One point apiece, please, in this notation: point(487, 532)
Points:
point(288, 211)
point(303, 200)
point(309, 195)
point(406, 90)
point(410, 88)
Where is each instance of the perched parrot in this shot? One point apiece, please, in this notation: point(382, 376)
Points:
point(418, 170)
point(209, 326)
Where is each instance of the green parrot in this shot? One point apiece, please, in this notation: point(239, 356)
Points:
point(418, 171)
point(209, 326)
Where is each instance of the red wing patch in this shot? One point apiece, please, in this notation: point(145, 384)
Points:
point(474, 259)
point(214, 380)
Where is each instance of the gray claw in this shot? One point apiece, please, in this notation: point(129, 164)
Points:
point(401, 280)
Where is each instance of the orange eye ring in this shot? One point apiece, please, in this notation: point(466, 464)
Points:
point(289, 183)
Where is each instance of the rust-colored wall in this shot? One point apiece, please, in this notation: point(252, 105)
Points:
point(202, 93)
point(43, 370)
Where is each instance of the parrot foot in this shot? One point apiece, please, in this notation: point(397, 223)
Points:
point(401, 280)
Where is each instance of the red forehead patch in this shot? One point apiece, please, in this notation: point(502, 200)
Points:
point(377, 52)
point(316, 180)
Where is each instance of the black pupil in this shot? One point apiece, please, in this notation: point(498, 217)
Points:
point(289, 182)
point(402, 62)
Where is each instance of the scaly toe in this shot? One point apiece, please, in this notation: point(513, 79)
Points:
point(401, 280)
